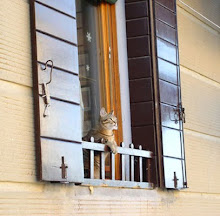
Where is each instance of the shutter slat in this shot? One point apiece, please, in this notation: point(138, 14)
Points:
point(137, 27)
point(171, 142)
point(52, 153)
point(141, 114)
point(66, 6)
point(165, 15)
point(64, 55)
point(139, 68)
point(167, 71)
point(139, 86)
point(138, 47)
point(166, 32)
point(68, 92)
point(172, 165)
point(140, 9)
point(61, 121)
point(168, 93)
point(169, 4)
point(168, 116)
point(57, 24)
point(166, 51)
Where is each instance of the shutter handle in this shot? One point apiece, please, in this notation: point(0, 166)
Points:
point(46, 94)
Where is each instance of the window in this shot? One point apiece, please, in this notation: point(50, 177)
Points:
point(75, 78)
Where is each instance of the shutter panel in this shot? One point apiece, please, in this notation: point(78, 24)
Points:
point(155, 93)
point(58, 134)
point(141, 81)
point(168, 75)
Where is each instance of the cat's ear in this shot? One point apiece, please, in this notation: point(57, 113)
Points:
point(103, 112)
point(112, 112)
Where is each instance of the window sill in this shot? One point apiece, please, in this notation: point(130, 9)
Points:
point(117, 183)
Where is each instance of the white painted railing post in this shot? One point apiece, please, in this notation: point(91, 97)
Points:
point(132, 164)
point(123, 164)
point(141, 166)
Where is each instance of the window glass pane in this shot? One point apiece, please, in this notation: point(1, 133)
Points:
point(88, 31)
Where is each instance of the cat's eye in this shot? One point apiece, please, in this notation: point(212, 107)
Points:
point(113, 120)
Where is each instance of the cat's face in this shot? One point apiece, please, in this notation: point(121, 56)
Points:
point(108, 120)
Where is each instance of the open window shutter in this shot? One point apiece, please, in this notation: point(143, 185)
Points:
point(141, 80)
point(155, 94)
point(171, 111)
point(56, 91)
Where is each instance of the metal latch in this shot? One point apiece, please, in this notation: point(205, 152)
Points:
point(63, 168)
point(45, 90)
point(46, 96)
point(175, 179)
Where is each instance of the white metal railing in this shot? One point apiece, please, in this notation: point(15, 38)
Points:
point(126, 164)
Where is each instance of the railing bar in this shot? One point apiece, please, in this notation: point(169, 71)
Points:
point(92, 164)
point(127, 171)
point(132, 168)
point(141, 169)
point(121, 150)
point(113, 166)
point(134, 152)
point(148, 170)
point(103, 165)
point(123, 167)
point(127, 161)
point(123, 164)
point(141, 166)
point(132, 165)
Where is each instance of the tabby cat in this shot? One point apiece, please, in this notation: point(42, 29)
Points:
point(103, 133)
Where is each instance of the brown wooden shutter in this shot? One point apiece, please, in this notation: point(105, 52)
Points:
point(58, 134)
point(155, 93)
point(141, 80)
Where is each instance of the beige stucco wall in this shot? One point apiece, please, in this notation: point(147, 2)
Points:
point(21, 195)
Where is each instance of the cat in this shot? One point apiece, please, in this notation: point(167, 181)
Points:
point(102, 133)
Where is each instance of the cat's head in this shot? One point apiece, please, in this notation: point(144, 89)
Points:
point(108, 120)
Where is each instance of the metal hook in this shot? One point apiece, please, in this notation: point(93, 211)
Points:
point(45, 89)
point(51, 71)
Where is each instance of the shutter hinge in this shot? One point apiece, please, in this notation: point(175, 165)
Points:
point(179, 114)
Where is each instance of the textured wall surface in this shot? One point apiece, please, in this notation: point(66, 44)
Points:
point(21, 194)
